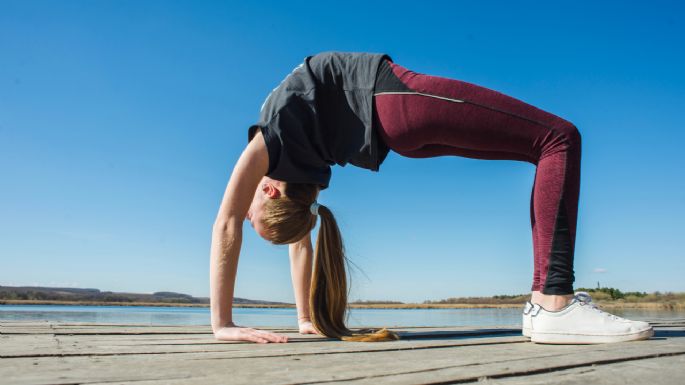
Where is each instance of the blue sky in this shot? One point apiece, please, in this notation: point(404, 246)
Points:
point(120, 122)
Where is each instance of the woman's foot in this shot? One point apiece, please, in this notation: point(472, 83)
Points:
point(580, 321)
point(527, 327)
point(551, 302)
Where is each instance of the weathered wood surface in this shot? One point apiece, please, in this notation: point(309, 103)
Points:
point(57, 353)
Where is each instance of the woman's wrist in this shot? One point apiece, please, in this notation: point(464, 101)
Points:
point(224, 324)
point(301, 320)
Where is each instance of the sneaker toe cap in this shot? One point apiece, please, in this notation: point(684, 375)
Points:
point(639, 326)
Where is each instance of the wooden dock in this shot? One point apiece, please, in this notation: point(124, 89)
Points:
point(61, 353)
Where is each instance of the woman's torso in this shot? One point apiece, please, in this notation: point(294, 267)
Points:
point(321, 115)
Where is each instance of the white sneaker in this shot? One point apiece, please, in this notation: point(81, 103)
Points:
point(582, 322)
point(527, 327)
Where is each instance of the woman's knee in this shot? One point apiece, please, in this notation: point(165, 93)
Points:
point(570, 133)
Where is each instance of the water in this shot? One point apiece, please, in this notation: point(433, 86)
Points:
point(255, 317)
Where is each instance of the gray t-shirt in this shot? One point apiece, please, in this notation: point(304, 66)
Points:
point(321, 115)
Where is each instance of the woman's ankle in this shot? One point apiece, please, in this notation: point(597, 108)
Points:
point(550, 302)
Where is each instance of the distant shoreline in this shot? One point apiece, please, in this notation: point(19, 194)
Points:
point(603, 304)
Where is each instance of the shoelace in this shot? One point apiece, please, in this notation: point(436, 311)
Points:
point(586, 300)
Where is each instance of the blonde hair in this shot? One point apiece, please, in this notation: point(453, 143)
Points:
point(287, 219)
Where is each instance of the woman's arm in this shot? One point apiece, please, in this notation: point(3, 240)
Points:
point(225, 249)
point(301, 255)
point(226, 241)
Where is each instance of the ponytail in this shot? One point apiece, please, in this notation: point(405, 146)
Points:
point(288, 219)
point(329, 291)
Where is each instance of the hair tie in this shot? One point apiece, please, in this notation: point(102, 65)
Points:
point(314, 208)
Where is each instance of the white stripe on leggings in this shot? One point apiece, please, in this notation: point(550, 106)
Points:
point(419, 93)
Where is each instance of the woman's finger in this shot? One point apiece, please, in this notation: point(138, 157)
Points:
point(268, 336)
point(274, 337)
point(254, 337)
point(249, 335)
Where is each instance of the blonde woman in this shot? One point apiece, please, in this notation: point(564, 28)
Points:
point(343, 107)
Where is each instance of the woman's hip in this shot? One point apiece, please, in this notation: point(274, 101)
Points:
point(421, 115)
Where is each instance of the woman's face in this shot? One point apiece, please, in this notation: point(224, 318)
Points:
point(267, 189)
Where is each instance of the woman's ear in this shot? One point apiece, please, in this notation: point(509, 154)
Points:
point(271, 190)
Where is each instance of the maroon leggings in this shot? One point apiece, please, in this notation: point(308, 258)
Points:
point(422, 116)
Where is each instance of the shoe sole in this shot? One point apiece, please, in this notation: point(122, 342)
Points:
point(563, 339)
point(526, 332)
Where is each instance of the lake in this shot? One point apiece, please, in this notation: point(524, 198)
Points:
point(256, 317)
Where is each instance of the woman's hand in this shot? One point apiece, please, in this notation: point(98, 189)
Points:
point(234, 332)
point(306, 327)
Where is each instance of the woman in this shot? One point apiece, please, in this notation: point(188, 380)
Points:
point(339, 108)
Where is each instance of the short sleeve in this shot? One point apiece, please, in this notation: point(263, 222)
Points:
point(273, 145)
point(251, 132)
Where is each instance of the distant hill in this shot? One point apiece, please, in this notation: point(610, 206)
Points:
point(39, 293)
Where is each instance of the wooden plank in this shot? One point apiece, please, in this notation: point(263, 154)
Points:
point(525, 364)
point(147, 329)
point(446, 363)
point(42, 345)
point(183, 330)
point(653, 371)
point(142, 329)
point(304, 345)
point(153, 354)
point(202, 329)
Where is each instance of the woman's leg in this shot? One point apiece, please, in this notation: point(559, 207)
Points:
point(425, 116)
